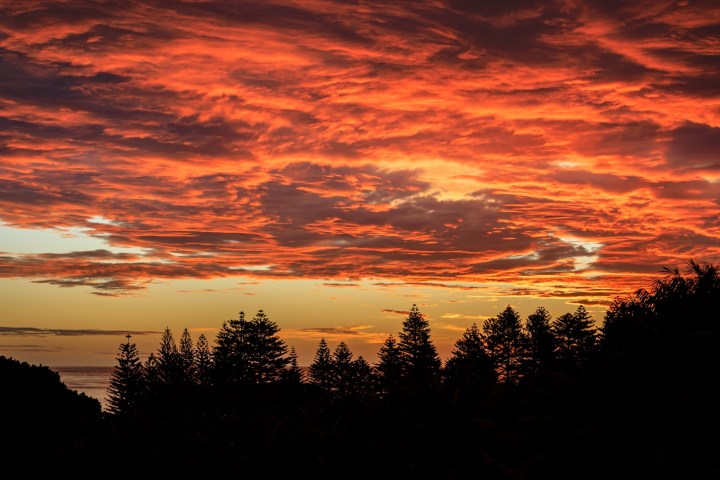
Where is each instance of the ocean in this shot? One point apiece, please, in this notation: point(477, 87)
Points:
point(92, 381)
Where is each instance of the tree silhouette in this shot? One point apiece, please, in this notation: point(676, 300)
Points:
point(266, 350)
point(151, 373)
point(421, 364)
point(575, 336)
point(186, 357)
point(293, 373)
point(342, 369)
point(363, 378)
point(541, 341)
point(321, 369)
point(506, 343)
point(169, 361)
point(230, 355)
point(203, 361)
point(469, 363)
point(126, 381)
point(676, 319)
point(390, 365)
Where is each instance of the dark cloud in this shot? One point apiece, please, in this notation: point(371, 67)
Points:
point(64, 332)
point(15, 192)
point(585, 301)
point(329, 330)
point(604, 181)
point(694, 146)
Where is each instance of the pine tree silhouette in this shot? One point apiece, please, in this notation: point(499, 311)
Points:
point(186, 357)
point(541, 341)
point(342, 370)
point(266, 350)
point(575, 336)
point(293, 373)
point(169, 361)
point(151, 374)
point(363, 380)
point(421, 364)
point(470, 362)
point(230, 354)
point(203, 361)
point(321, 369)
point(506, 343)
point(126, 381)
point(390, 365)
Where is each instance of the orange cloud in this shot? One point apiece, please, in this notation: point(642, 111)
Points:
point(442, 143)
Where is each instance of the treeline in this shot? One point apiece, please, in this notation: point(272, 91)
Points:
point(538, 397)
point(518, 398)
point(505, 351)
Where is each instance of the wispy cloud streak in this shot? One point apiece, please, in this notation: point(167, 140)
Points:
point(64, 332)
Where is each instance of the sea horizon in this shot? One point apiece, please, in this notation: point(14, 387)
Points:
point(93, 380)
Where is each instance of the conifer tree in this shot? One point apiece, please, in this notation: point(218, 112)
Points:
point(169, 361)
point(342, 369)
point(266, 350)
point(541, 341)
point(390, 365)
point(420, 358)
point(470, 361)
point(293, 373)
point(249, 351)
point(230, 355)
point(363, 378)
point(321, 369)
point(151, 373)
point(506, 343)
point(187, 357)
point(203, 361)
point(575, 337)
point(126, 382)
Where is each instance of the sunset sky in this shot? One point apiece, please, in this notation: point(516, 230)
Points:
point(171, 163)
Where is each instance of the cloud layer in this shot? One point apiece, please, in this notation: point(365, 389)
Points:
point(541, 145)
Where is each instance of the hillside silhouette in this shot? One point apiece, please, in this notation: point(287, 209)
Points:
point(44, 423)
point(534, 398)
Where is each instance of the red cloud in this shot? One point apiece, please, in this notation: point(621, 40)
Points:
point(417, 143)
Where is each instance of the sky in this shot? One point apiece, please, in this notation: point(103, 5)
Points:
point(170, 164)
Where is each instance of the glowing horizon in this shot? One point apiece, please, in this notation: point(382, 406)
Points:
point(353, 157)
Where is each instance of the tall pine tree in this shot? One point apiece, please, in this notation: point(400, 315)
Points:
point(169, 361)
point(321, 369)
point(390, 365)
point(203, 361)
point(293, 373)
point(575, 336)
point(230, 355)
point(126, 382)
point(469, 362)
point(266, 350)
point(186, 358)
point(151, 373)
point(541, 341)
point(342, 369)
point(506, 343)
point(421, 363)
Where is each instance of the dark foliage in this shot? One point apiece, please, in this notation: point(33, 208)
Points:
point(127, 383)
point(46, 429)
